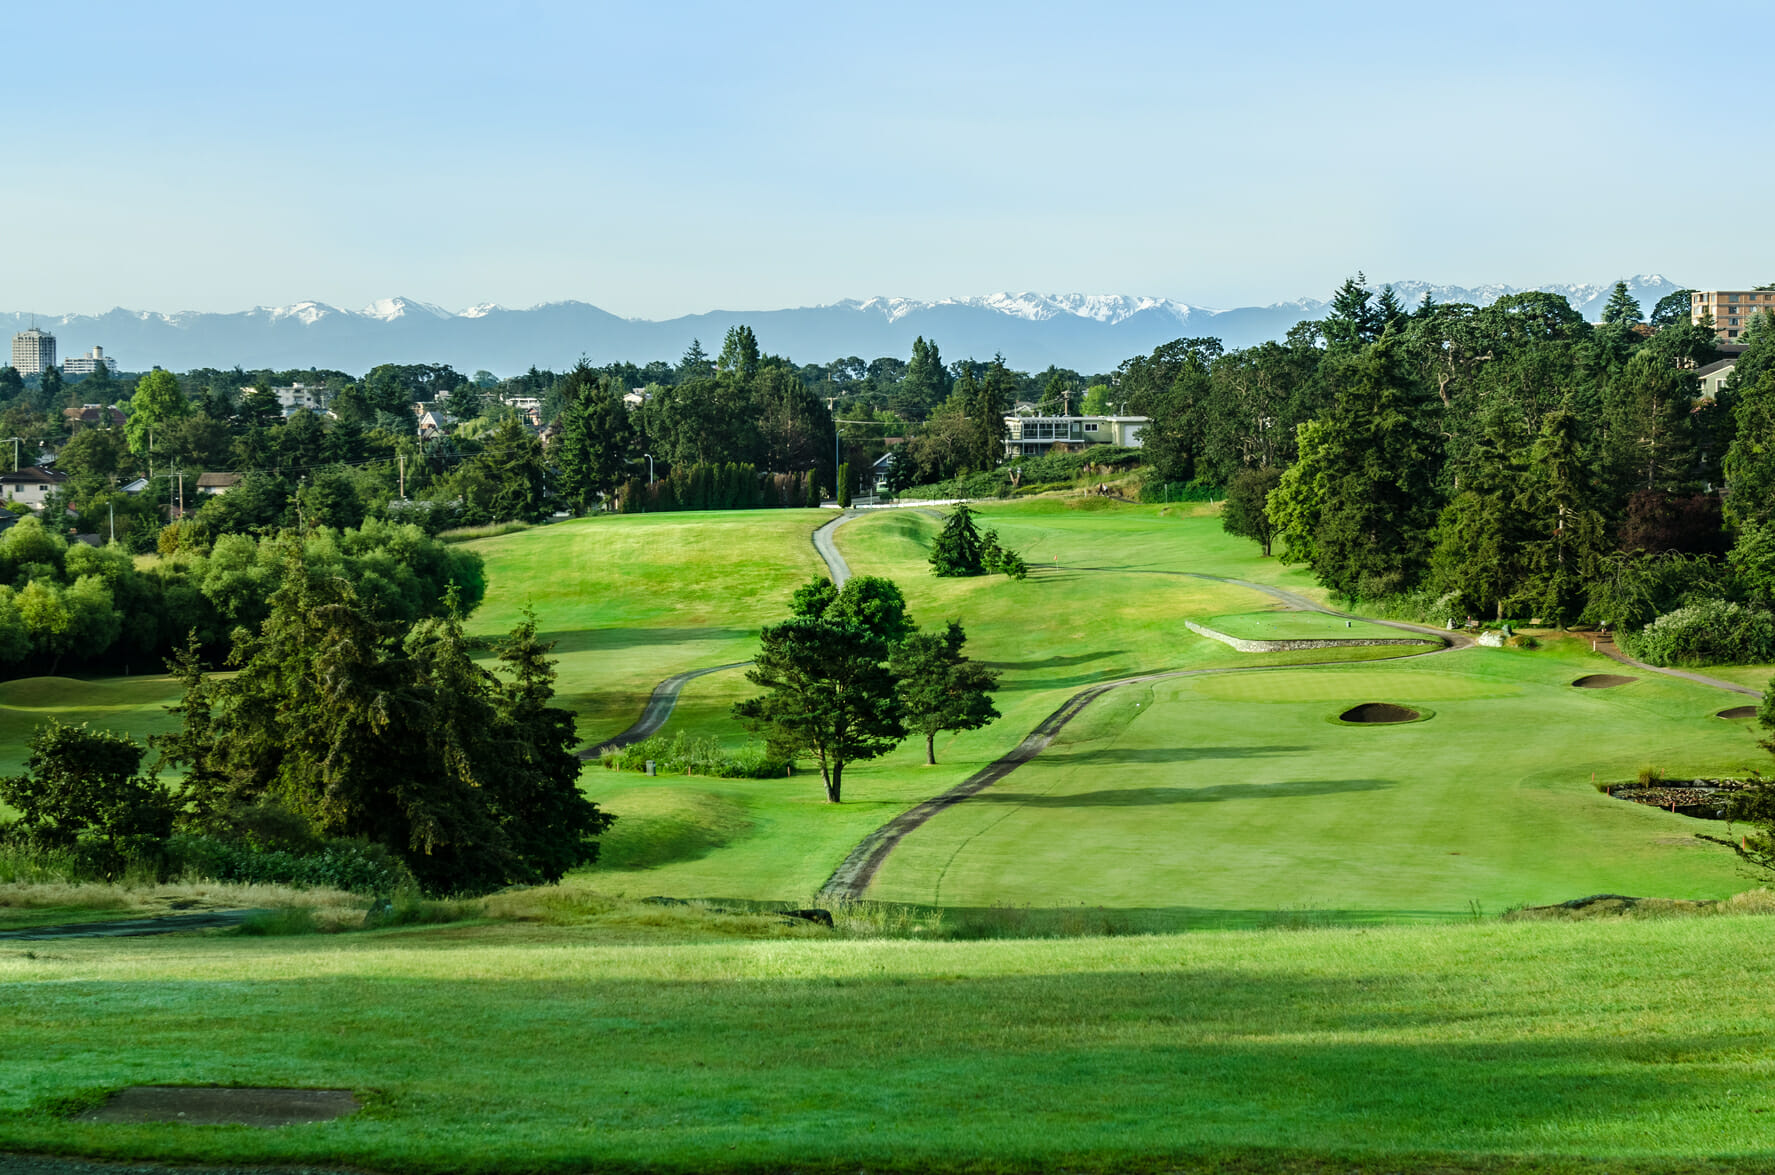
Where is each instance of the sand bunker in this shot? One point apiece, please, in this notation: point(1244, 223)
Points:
point(212, 1106)
point(1603, 681)
point(1379, 713)
point(1739, 712)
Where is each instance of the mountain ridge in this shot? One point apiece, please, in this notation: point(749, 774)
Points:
point(1089, 332)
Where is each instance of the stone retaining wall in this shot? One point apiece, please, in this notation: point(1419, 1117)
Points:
point(1247, 646)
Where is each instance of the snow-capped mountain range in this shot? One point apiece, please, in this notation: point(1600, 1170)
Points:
point(1088, 332)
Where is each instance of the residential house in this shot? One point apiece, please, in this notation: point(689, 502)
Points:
point(1035, 436)
point(31, 485)
point(217, 484)
point(89, 415)
point(297, 397)
point(1713, 377)
point(433, 422)
point(134, 487)
point(883, 471)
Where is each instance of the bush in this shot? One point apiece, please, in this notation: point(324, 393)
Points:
point(1050, 472)
point(1711, 632)
point(1158, 490)
point(684, 754)
point(355, 866)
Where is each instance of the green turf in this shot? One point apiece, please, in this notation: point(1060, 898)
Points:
point(1223, 797)
point(632, 599)
point(1597, 1046)
point(134, 705)
point(1049, 636)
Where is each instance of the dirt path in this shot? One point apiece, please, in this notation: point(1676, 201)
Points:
point(658, 709)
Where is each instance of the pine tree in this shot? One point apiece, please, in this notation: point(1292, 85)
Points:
point(1622, 308)
point(957, 551)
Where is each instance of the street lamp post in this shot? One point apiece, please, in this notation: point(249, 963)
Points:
point(649, 457)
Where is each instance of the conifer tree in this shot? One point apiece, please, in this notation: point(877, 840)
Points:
point(957, 550)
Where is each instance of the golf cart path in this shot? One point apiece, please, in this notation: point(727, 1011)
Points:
point(1607, 647)
point(658, 709)
point(858, 869)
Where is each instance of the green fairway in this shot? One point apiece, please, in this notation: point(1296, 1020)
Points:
point(133, 705)
point(632, 599)
point(1613, 1046)
point(1050, 636)
point(1222, 797)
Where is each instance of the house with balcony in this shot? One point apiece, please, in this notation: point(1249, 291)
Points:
point(1036, 436)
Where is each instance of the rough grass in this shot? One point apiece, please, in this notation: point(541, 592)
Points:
point(1592, 1046)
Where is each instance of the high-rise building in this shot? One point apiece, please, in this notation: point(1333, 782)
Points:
point(1730, 309)
point(88, 363)
point(33, 351)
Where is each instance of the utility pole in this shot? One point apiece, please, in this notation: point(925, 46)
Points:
point(402, 459)
point(15, 444)
point(112, 507)
point(831, 406)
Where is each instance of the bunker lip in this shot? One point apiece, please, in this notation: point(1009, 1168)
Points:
point(1737, 712)
point(1602, 681)
point(210, 1105)
point(1378, 714)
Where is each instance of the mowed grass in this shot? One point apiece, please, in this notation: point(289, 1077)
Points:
point(1220, 798)
point(132, 705)
point(630, 600)
point(1049, 636)
point(1615, 1046)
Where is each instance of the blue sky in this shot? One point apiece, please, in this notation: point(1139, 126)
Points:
point(662, 159)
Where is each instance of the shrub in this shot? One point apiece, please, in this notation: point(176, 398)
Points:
point(1711, 632)
point(701, 755)
point(355, 866)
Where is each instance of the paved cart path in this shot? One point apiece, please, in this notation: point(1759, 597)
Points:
point(658, 709)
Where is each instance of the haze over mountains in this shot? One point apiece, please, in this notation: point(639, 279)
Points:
point(1090, 333)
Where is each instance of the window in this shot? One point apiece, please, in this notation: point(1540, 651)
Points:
point(1090, 428)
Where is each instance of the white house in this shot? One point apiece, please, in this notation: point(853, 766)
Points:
point(1034, 436)
point(31, 485)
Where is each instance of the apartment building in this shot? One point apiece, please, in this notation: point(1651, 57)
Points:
point(33, 351)
point(1730, 309)
point(88, 363)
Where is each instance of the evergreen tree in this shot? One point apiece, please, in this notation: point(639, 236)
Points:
point(1750, 461)
point(925, 383)
point(369, 728)
point(1246, 510)
point(739, 354)
point(939, 689)
point(1354, 319)
point(996, 393)
point(1362, 496)
point(1622, 308)
point(957, 549)
point(696, 363)
point(1568, 530)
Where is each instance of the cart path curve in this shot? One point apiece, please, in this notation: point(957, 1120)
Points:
point(1607, 647)
point(658, 709)
point(822, 538)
